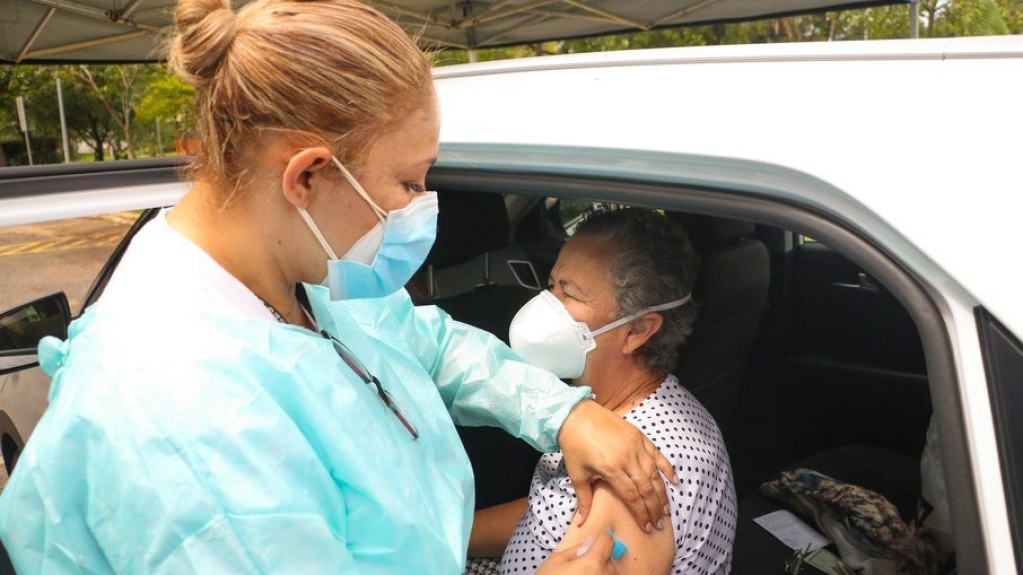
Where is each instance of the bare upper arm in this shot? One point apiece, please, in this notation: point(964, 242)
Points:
point(492, 528)
point(648, 553)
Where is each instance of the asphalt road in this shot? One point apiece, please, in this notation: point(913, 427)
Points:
point(38, 260)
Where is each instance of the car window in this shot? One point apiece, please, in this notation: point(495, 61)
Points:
point(571, 211)
point(62, 255)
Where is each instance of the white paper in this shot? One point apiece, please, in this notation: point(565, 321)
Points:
point(792, 531)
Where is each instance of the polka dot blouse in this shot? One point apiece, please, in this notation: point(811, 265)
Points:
point(703, 517)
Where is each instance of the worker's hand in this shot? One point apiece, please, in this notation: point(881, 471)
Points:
point(600, 445)
point(591, 557)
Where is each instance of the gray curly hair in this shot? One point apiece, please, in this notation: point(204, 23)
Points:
point(651, 262)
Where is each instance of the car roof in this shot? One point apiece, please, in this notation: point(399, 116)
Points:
point(914, 143)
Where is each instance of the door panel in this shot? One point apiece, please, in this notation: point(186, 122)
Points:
point(841, 314)
point(840, 363)
point(855, 363)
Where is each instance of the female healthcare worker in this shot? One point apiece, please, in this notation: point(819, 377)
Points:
point(215, 412)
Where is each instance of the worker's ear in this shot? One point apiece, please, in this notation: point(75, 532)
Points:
point(299, 181)
point(641, 330)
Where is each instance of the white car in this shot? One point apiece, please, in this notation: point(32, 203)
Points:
point(855, 206)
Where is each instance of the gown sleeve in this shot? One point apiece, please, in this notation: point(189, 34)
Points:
point(484, 382)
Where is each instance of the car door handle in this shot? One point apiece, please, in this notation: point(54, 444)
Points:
point(864, 283)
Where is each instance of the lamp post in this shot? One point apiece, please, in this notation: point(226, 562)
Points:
point(914, 19)
point(24, 126)
point(63, 124)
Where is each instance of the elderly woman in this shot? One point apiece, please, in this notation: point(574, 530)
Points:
point(617, 309)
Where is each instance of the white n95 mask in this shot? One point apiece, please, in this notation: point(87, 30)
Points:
point(545, 335)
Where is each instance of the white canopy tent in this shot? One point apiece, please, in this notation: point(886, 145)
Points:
point(127, 30)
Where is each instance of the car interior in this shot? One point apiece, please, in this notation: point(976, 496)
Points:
point(804, 360)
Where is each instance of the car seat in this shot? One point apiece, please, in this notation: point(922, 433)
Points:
point(731, 291)
point(6, 567)
point(473, 231)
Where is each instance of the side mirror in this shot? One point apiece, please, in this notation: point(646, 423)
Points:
point(22, 327)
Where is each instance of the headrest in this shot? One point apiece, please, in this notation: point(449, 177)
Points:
point(469, 224)
point(708, 232)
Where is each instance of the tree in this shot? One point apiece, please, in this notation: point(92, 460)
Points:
point(87, 119)
point(975, 18)
point(7, 127)
point(35, 87)
point(99, 103)
point(118, 89)
point(168, 99)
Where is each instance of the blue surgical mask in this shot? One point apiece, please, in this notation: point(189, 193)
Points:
point(384, 259)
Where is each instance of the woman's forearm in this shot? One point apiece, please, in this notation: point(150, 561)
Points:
point(492, 528)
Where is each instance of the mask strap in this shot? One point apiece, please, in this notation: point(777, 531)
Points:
point(316, 232)
point(660, 307)
point(380, 214)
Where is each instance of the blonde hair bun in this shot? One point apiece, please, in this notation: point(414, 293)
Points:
point(204, 31)
point(331, 73)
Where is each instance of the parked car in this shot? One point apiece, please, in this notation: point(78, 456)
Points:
point(849, 202)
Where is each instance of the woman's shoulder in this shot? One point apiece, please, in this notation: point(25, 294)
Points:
point(668, 402)
point(164, 273)
point(120, 357)
point(678, 424)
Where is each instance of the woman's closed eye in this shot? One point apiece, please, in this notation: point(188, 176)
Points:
point(554, 290)
point(560, 292)
point(415, 188)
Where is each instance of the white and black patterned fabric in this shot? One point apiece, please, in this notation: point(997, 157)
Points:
point(703, 504)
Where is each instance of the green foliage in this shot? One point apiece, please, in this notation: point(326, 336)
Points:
point(102, 105)
point(119, 89)
point(169, 100)
point(976, 18)
point(988, 20)
point(950, 18)
point(38, 89)
point(166, 112)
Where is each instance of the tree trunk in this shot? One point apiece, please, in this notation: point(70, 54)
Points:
point(129, 141)
point(97, 143)
point(122, 119)
point(791, 31)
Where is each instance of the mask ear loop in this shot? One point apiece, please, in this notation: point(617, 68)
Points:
point(660, 307)
point(316, 232)
point(380, 214)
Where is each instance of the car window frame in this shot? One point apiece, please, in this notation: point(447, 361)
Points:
point(971, 551)
point(1003, 358)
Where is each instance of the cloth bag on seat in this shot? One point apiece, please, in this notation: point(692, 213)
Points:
point(870, 535)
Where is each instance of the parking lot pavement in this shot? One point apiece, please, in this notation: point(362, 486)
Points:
point(66, 255)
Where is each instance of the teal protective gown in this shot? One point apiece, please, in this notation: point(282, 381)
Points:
point(180, 442)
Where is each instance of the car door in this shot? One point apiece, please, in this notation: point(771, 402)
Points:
point(852, 333)
point(842, 359)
